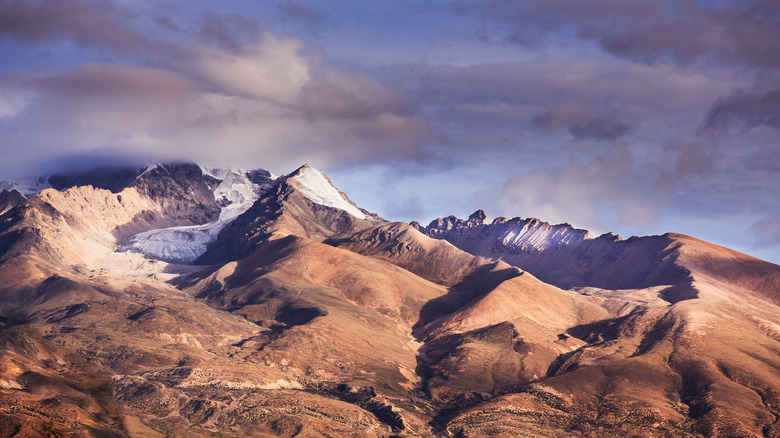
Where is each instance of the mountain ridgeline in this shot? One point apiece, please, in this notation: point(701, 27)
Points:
point(179, 300)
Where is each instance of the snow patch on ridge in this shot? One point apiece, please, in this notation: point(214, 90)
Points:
point(148, 168)
point(313, 184)
point(541, 236)
point(26, 186)
point(184, 244)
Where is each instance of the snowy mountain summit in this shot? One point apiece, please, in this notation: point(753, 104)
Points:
point(318, 189)
point(235, 190)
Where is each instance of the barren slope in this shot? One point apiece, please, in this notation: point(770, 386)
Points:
point(691, 345)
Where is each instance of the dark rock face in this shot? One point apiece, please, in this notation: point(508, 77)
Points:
point(182, 190)
point(260, 177)
point(10, 199)
point(113, 179)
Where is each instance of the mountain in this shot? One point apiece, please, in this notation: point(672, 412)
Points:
point(178, 300)
point(303, 203)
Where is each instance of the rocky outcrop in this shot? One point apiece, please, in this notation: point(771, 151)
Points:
point(10, 199)
point(182, 191)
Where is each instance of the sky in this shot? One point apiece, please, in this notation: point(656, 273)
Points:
point(632, 117)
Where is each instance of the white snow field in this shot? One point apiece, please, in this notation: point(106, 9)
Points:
point(313, 184)
point(184, 244)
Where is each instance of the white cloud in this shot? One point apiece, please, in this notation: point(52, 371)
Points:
point(269, 103)
point(12, 101)
point(272, 68)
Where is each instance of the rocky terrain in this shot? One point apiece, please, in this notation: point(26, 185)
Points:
point(180, 300)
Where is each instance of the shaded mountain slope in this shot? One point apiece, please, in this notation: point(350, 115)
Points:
point(496, 329)
point(402, 245)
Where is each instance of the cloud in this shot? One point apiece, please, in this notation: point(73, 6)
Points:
point(531, 109)
point(745, 110)
point(597, 194)
point(767, 231)
point(268, 103)
point(167, 23)
point(228, 31)
point(599, 129)
point(270, 69)
point(12, 100)
point(767, 156)
point(559, 92)
point(560, 115)
point(594, 141)
point(303, 13)
point(97, 23)
point(744, 33)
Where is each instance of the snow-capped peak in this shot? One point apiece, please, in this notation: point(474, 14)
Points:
point(316, 187)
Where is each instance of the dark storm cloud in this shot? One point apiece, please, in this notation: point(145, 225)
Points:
point(599, 129)
point(567, 123)
point(303, 13)
point(746, 33)
point(544, 97)
point(745, 110)
point(93, 23)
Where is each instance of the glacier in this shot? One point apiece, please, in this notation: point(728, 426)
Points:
point(184, 244)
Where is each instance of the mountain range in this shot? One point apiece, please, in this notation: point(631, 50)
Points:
point(183, 300)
